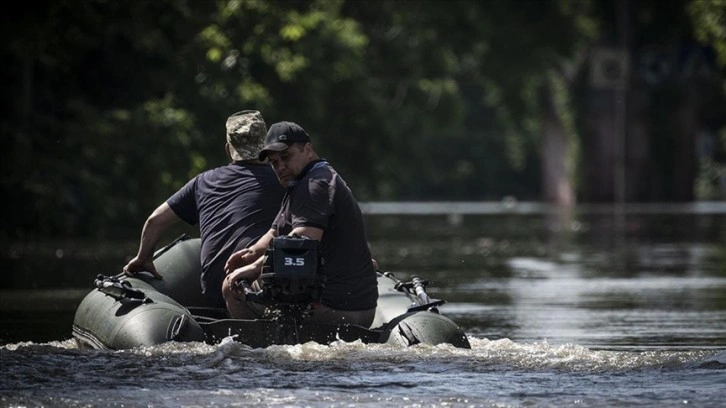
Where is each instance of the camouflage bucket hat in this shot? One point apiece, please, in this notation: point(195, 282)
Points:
point(246, 131)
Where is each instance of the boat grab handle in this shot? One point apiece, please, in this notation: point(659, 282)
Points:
point(177, 327)
point(417, 287)
point(118, 289)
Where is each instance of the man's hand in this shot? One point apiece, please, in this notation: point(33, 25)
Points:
point(137, 265)
point(248, 272)
point(240, 258)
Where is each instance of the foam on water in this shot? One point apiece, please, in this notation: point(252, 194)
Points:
point(521, 355)
point(492, 373)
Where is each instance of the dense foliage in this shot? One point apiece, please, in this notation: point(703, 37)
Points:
point(110, 106)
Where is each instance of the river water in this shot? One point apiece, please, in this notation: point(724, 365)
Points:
point(578, 310)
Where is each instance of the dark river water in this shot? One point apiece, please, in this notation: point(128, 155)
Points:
point(583, 310)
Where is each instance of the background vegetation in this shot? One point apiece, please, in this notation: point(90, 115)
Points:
point(110, 106)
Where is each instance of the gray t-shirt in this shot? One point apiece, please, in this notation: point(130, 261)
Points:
point(322, 199)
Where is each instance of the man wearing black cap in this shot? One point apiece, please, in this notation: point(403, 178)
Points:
point(318, 204)
point(233, 205)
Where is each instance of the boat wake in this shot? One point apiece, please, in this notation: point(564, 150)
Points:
point(496, 354)
point(492, 373)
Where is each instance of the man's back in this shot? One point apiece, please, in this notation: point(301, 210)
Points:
point(234, 206)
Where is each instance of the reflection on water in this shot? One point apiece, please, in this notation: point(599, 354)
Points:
point(561, 310)
point(598, 281)
point(594, 280)
point(600, 244)
point(672, 312)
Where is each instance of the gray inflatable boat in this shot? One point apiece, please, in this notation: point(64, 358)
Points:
point(125, 312)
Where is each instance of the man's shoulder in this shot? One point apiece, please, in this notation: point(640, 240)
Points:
point(236, 169)
point(330, 176)
point(216, 175)
point(213, 170)
point(326, 172)
point(325, 181)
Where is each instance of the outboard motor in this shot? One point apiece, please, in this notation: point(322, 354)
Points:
point(292, 273)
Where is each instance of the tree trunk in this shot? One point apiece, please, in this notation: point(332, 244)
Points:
point(557, 154)
point(598, 148)
point(556, 162)
point(687, 127)
point(637, 149)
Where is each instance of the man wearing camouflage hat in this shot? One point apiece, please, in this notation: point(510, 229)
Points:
point(318, 205)
point(234, 206)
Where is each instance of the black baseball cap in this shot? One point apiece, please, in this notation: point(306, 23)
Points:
point(281, 135)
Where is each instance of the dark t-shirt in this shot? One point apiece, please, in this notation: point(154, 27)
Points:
point(234, 206)
point(322, 199)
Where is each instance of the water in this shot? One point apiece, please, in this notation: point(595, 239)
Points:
point(588, 310)
point(493, 373)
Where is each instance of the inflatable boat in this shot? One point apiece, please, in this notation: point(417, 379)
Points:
point(124, 312)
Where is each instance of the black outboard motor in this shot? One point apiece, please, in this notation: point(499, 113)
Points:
point(292, 273)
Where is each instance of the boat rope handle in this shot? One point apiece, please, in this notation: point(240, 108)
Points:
point(113, 286)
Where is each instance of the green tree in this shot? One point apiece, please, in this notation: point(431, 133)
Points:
point(112, 106)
